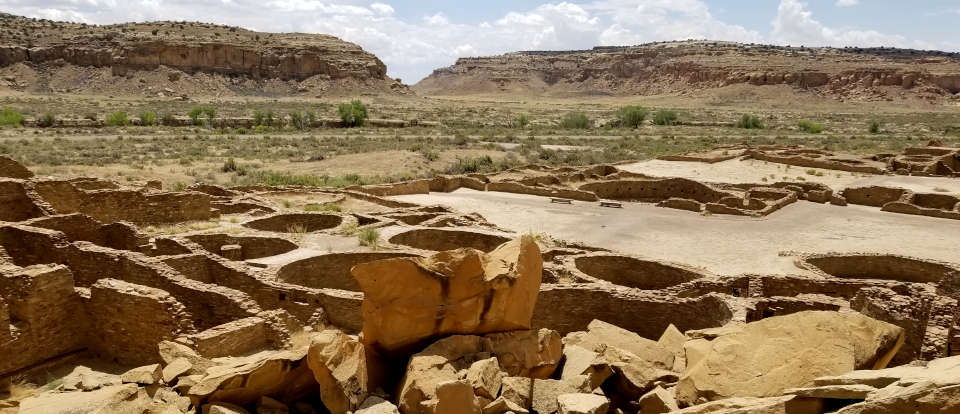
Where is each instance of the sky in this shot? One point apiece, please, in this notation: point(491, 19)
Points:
point(414, 37)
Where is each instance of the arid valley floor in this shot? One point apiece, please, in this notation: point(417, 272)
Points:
point(777, 244)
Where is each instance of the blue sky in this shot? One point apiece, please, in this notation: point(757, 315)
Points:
point(413, 37)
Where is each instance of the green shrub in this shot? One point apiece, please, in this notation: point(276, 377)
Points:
point(353, 114)
point(665, 117)
point(117, 119)
point(264, 118)
point(632, 116)
point(576, 120)
point(874, 127)
point(148, 119)
point(521, 121)
point(369, 237)
point(302, 120)
point(471, 165)
point(749, 121)
point(199, 112)
point(11, 117)
point(46, 120)
point(810, 127)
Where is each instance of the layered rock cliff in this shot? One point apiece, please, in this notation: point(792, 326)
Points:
point(46, 47)
point(679, 67)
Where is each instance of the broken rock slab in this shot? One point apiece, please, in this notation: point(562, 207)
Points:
point(763, 358)
point(600, 334)
point(582, 403)
point(78, 402)
point(377, 405)
point(657, 401)
point(145, 375)
point(282, 375)
point(408, 301)
point(343, 370)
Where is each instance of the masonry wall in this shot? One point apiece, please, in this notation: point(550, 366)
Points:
point(128, 320)
point(45, 312)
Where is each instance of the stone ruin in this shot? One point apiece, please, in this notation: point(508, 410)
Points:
point(934, 160)
point(451, 314)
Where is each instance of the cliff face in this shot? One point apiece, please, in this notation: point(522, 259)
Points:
point(188, 47)
point(681, 67)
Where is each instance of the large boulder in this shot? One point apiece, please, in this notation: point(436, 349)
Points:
point(282, 375)
point(343, 369)
point(600, 334)
point(409, 301)
point(763, 358)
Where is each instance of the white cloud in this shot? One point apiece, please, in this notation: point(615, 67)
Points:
point(795, 25)
point(413, 47)
point(384, 9)
point(847, 3)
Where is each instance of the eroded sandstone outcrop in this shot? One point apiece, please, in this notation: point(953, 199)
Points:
point(410, 300)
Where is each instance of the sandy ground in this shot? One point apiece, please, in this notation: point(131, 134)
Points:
point(721, 244)
point(736, 171)
point(754, 171)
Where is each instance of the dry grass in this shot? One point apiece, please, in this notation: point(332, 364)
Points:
point(179, 228)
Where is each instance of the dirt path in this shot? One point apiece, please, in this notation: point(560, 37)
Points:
point(721, 244)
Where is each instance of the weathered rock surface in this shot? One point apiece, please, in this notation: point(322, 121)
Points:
point(210, 49)
point(282, 375)
point(673, 67)
point(408, 301)
point(342, 368)
point(10, 168)
point(763, 358)
point(582, 404)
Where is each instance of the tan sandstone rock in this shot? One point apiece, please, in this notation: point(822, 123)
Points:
point(376, 405)
point(582, 404)
point(223, 408)
point(763, 358)
point(408, 301)
point(175, 369)
point(485, 377)
point(600, 333)
point(502, 405)
point(672, 340)
point(657, 401)
point(342, 368)
point(77, 402)
point(243, 380)
point(456, 397)
point(146, 375)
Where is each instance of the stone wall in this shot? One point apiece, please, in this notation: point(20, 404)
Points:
point(127, 321)
point(17, 205)
point(41, 316)
point(110, 205)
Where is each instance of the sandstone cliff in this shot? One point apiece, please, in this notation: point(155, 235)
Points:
point(37, 54)
point(682, 67)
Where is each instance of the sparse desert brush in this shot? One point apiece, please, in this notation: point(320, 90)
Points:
point(46, 120)
point(325, 207)
point(369, 237)
point(874, 127)
point(632, 116)
point(148, 118)
point(749, 121)
point(810, 127)
point(665, 117)
point(576, 120)
point(352, 114)
point(11, 117)
point(521, 121)
point(168, 119)
point(117, 119)
point(471, 165)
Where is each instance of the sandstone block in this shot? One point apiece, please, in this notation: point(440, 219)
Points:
point(657, 401)
point(145, 375)
point(408, 301)
point(342, 368)
point(765, 357)
point(582, 404)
